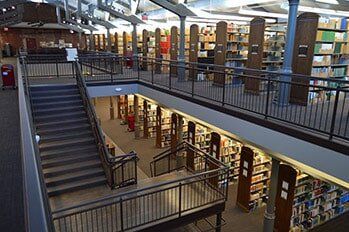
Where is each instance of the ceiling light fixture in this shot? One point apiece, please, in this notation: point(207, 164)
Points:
point(334, 2)
point(323, 11)
point(262, 13)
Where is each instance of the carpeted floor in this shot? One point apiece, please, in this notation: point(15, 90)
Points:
point(11, 190)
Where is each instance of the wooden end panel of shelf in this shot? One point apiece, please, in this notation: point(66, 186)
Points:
point(118, 104)
point(193, 50)
point(303, 54)
point(174, 131)
point(103, 43)
point(215, 145)
point(284, 198)
point(116, 43)
point(255, 54)
point(158, 127)
point(145, 37)
point(126, 106)
point(245, 178)
point(124, 43)
point(97, 43)
point(145, 119)
point(191, 140)
point(157, 50)
point(174, 51)
point(220, 52)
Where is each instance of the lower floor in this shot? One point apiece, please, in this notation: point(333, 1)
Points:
point(111, 112)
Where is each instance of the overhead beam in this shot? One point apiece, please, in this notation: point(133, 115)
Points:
point(131, 18)
point(178, 9)
point(94, 20)
point(67, 26)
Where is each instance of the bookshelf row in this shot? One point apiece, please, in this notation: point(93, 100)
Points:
point(303, 202)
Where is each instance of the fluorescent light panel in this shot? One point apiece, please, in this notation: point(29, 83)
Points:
point(262, 13)
point(334, 2)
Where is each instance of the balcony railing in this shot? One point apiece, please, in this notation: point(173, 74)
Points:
point(317, 104)
point(195, 191)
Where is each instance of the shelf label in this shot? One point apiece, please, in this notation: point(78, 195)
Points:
point(285, 185)
point(254, 49)
point(303, 51)
point(284, 194)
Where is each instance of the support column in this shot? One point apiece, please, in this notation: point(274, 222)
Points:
point(111, 109)
point(134, 47)
point(269, 215)
point(80, 40)
point(284, 88)
point(219, 222)
point(109, 40)
point(136, 114)
point(181, 57)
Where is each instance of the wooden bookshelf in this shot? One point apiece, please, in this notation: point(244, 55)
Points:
point(193, 50)
point(174, 51)
point(116, 43)
point(254, 175)
point(303, 56)
point(220, 52)
point(255, 54)
point(304, 202)
point(274, 37)
point(157, 50)
point(174, 131)
point(148, 120)
point(163, 127)
point(123, 106)
point(145, 50)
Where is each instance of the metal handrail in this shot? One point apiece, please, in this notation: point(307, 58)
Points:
point(110, 163)
point(192, 177)
point(29, 103)
point(177, 63)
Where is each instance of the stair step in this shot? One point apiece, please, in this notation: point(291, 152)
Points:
point(65, 135)
point(64, 152)
point(76, 176)
point(55, 92)
point(70, 168)
point(77, 185)
point(57, 145)
point(59, 117)
point(46, 99)
point(49, 105)
point(66, 160)
point(58, 110)
point(52, 87)
point(68, 123)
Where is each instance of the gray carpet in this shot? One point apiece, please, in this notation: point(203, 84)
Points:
point(11, 190)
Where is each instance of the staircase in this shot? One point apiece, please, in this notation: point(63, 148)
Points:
point(68, 150)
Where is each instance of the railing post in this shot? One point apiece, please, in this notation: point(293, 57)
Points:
point(223, 94)
point(192, 86)
point(138, 68)
point(136, 174)
point(73, 68)
point(57, 72)
point(180, 200)
point(268, 96)
point(152, 72)
point(334, 114)
point(91, 66)
point(111, 69)
point(121, 216)
point(169, 76)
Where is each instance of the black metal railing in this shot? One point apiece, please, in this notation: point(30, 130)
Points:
point(317, 104)
point(156, 203)
point(120, 170)
point(28, 101)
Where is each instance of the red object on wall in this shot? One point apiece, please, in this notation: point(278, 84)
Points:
point(8, 76)
point(131, 122)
